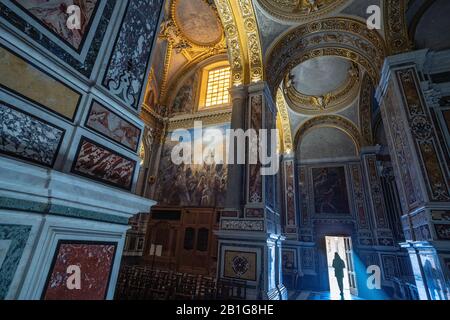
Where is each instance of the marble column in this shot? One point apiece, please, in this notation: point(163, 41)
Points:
point(412, 98)
point(250, 230)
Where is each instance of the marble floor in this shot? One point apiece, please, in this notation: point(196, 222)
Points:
point(309, 295)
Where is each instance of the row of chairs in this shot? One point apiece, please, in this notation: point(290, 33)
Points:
point(405, 289)
point(143, 283)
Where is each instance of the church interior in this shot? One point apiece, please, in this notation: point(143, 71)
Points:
point(98, 96)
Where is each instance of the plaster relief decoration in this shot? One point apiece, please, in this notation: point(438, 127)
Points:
point(339, 37)
point(45, 23)
point(95, 261)
point(127, 68)
point(330, 191)
point(36, 85)
point(53, 15)
point(111, 125)
point(322, 84)
point(240, 265)
point(300, 10)
point(27, 137)
point(425, 137)
point(97, 162)
point(195, 184)
point(13, 239)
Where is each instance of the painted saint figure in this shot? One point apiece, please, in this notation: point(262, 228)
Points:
point(339, 266)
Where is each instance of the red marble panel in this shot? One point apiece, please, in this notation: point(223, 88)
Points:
point(95, 261)
point(97, 162)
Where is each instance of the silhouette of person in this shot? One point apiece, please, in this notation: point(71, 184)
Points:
point(339, 266)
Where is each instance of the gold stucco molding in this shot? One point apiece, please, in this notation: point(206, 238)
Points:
point(330, 102)
point(301, 10)
point(342, 37)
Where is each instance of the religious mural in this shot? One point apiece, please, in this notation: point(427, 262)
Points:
point(95, 261)
point(53, 14)
point(330, 190)
point(97, 162)
point(240, 265)
point(185, 99)
point(195, 184)
point(27, 137)
point(113, 126)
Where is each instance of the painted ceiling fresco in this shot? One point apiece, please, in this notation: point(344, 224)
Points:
point(198, 21)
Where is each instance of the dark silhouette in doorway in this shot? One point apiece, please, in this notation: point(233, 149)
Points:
point(339, 266)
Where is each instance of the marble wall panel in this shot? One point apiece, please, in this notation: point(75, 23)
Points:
point(111, 125)
point(53, 15)
point(27, 137)
point(100, 163)
point(95, 261)
point(127, 67)
point(240, 265)
point(37, 86)
point(83, 64)
point(13, 239)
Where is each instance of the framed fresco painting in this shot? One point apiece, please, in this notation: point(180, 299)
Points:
point(330, 191)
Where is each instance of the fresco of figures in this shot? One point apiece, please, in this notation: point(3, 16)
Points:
point(199, 185)
point(330, 191)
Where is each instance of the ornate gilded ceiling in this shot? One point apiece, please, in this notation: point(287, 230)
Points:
point(323, 84)
point(196, 30)
point(300, 10)
point(197, 21)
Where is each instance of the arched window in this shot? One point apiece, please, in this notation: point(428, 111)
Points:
point(216, 81)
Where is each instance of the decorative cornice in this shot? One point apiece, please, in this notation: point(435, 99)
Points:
point(210, 118)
